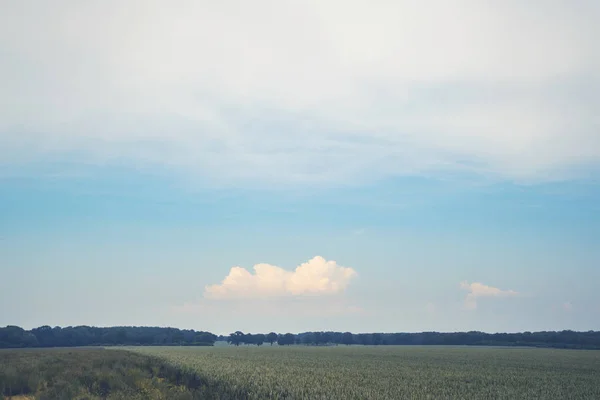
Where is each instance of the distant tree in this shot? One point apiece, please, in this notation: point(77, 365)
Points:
point(280, 340)
point(121, 336)
point(259, 339)
point(45, 336)
point(29, 340)
point(364, 339)
point(271, 338)
point(286, 340)
point(377, 338)
point(308, 338)
point(337, 337)
point(236, 338)
point(347, 338)
point(177, 336)
point(14, 336)
point(318, 338)
point(204, 337)
point(248, 339)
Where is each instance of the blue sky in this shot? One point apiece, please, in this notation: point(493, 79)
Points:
point(386, 167)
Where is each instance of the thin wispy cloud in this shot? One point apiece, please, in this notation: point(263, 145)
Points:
point(567, 306)
point(479, 290)
point(304, 92)
point(314, 277)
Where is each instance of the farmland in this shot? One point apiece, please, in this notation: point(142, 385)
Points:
point(94, 373)
point(391, 372)
point(300, 372)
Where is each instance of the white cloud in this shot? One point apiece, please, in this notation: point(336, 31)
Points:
point(477, 290)
point(304, 91)
point(315, 277)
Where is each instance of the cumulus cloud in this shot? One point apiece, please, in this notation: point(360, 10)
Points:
point(314, 277)
point(478, 290)
point(304, 91)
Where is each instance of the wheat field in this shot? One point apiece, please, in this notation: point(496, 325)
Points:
point(392, 372)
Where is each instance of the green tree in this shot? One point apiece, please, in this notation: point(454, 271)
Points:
point(308, 338)
point(259, 339)
point(121, 336)
point(236, 338)
point(271, 338)
point(364, 338)
point(347, 338)
point(377, 339)
point(286, 340)
point(204, 337)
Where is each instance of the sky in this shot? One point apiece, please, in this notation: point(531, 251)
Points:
point(296, 165)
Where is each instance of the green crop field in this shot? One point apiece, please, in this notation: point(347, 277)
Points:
point(392, 372)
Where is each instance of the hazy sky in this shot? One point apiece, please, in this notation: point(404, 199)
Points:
point(298, 165)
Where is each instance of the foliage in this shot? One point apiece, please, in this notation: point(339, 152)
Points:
point(97, 374)
point(236, 338)
point(286, 340)
point(45, 336)
point(271, 338)
point(563, 339)
point(396, 372)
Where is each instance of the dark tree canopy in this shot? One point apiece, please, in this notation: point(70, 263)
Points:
point(286, 340)
point(561, 339)
point(236, 338)
point(271, 338)
point(46, 336)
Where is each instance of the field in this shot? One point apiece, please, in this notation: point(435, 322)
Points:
point(392, 372)
point(299, 372)
point(94, 373)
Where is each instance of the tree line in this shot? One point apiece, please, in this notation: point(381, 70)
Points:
point(560, 339)
point(237, 338)
point(46, 336)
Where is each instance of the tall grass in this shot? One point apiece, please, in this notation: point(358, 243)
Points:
point(245, 373)
point(96, 374)
point(393, 372)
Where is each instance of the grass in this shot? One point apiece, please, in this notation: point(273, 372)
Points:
point(90, 374)
point(391, 372)
point(298, 372)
